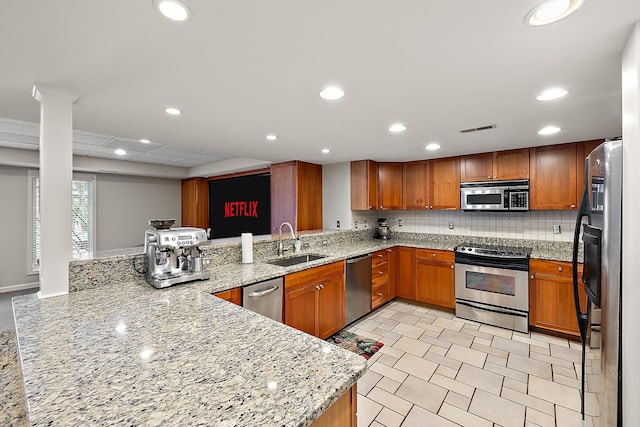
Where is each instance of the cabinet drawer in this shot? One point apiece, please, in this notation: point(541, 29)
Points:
point(379, 257)
point(435, 255)
point(552, 268)
point(379, 295)
point(309, 276)
point(232, 295)
point(379, 274)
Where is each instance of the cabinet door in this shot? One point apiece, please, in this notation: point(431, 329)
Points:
point(551, 303)
point(300, 309)
point(444, 183)
point(195, 203)
point(331, 306)
point(476, 167)
point(232, 295)
point(283, 195)
point(415, 185)
point(435, 283)
point(553, 177)
point(405, 263)
point(364, 185)
point(308, 196)
point(511, 164)
point(390, 185)
point(392, 268)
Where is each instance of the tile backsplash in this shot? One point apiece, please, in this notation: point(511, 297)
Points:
point(534, 225)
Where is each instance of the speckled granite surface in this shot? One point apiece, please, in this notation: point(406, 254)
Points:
point(134, 355)
point(12, 404)
point(227, 272)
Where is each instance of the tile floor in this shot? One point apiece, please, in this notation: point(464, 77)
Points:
point(439, 370)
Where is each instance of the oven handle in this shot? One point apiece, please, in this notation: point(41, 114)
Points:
point(504, 263)
point(492, 308)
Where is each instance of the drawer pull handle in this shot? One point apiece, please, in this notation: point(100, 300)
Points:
point(559, 268)
point(380, 255)
point(379, 294)
point(380, 273)
point(533, 276)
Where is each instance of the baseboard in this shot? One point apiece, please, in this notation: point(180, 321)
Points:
point(20, 287)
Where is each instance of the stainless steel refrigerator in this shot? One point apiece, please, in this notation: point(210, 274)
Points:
point(599, 222)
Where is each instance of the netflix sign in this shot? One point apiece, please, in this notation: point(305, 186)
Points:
point(240, 205)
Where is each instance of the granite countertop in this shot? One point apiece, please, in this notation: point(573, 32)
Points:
point(134, 355)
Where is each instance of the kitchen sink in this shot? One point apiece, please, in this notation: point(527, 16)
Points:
point(295, 260)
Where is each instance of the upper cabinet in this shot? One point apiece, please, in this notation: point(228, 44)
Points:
point(195, 203)
point(415, 187)
point(296, 195)
point(499, 165)
point(553, 171)
point(364, 185)
point(444, 183)
point(390, 185)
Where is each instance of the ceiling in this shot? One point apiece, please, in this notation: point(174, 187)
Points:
point(242, 70)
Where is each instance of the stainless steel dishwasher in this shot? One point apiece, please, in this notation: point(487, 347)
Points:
point(358, 287)
point(264, 298)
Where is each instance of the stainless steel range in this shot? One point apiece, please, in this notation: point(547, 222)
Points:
point(492, 285)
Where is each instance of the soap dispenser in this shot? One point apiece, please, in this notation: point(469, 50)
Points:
point(298, 245)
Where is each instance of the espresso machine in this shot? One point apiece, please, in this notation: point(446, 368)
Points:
point(173, 255)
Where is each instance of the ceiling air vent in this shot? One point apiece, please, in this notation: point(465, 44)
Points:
point(477, 129)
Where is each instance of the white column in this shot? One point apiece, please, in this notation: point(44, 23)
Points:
point(56, 174)
point(630, 228)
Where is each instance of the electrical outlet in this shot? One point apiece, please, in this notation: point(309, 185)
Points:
point(355, 224)
point(451, 225)
point(365, 224)
point(556, 229)
point(399, 223)
point(338, 224)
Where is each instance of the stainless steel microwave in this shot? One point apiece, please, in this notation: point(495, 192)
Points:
point(495, 195)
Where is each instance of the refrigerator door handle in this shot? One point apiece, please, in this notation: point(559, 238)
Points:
point(583, 318)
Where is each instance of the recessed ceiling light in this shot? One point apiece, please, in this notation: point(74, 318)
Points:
point(551, 94)
point(173, 9)
point(145, 141)
point(331, 93)
point(397, 127)
point(549, 130)
point(120, 152)
point(172, 111)
point(551, 11)
point(272, 137)
point(433, 146)
point(325, 151)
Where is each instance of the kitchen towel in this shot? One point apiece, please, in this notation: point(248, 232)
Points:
point(247, 248)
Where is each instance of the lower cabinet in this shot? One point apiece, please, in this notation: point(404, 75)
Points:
point(342, 412)
point(435, 277)
point(405, 260)
point(551, 304)
point(314, 300)
point(232, 295)
point(382, 271)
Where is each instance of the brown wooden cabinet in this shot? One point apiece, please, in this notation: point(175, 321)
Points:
point(364, 185)
point(195, 203)
point(499, 165)
point(553, 171)
point(435, 277)
point(405, 265)
point(551, 304)
point(232, 295)
point(341, 413)
point(415, 185)
point(390, 185)
point(296, 195)
point(314, 300)
point(382, 277)
point(444, 183)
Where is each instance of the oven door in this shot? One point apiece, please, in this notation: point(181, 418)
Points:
point(492, 286)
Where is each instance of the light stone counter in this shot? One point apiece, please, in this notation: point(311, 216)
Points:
point(135, 355)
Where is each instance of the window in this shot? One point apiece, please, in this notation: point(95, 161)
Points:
point(82, 218)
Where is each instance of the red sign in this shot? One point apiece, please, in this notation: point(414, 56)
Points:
point(248, 208)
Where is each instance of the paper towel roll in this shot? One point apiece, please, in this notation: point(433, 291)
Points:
point(247, 248)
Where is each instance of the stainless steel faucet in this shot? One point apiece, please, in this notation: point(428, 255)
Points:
point(293, 236)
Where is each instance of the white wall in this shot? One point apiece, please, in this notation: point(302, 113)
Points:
point(336, 195)
point(14, 253)
point(630, 228)
point(125, 204)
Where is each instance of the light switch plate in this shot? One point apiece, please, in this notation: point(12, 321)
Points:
point(399, 223)
point(355, 224)
point(556, 229)
point(451, 225)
